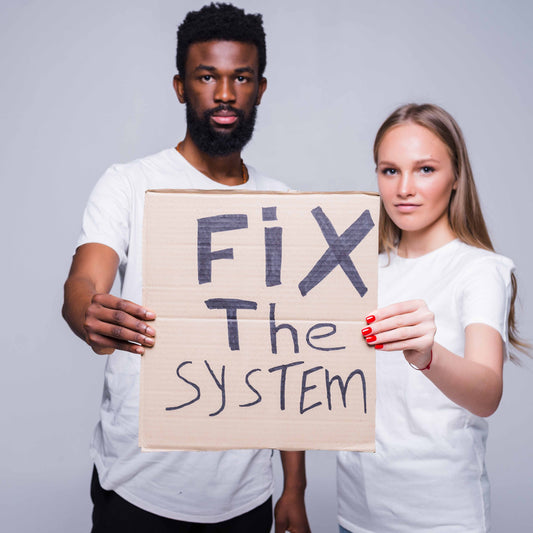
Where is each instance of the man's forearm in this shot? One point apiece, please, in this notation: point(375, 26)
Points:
point(78, 293)
point(290, 513)
point(293, 471)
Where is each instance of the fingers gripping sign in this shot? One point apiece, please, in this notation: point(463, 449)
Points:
point(407, 326)
point(112, 323)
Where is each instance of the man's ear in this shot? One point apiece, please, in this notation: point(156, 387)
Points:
point(177, 82)
point(261, 89)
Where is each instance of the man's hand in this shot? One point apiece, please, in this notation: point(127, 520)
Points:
point(115, 324)
point(105, 322)
point(289, 513)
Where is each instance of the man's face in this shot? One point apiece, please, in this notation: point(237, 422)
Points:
point(221, 90)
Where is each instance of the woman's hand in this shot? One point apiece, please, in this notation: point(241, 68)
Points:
point(473, 381)
point(407, 326)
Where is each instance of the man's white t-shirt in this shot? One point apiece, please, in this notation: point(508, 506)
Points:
point(189, 486)
point(428, 472)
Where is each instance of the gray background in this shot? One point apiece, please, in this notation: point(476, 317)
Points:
point(87, 84)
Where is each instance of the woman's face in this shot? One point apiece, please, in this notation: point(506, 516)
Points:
point(415, 178)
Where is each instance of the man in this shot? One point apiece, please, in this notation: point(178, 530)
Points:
point(221, 56)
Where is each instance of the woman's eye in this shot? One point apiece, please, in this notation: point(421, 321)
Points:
point(427, 170)
point(389, 171)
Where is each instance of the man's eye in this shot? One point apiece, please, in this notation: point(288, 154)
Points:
point(242, 79)
point(206, 77)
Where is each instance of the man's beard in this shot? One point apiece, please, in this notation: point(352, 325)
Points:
point(220, 143)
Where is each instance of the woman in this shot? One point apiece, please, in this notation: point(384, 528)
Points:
point(454, 324)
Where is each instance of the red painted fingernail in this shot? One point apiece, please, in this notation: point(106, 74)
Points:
point(366, 331)
point(378, 346)
point(370, 318)
point(370, 338)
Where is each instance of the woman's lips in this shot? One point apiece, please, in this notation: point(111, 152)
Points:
point(406, 208)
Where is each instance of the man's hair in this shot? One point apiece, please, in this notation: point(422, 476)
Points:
point(220, 22)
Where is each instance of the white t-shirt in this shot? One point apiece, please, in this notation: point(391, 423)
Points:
point(190, 486)
point(428, 472)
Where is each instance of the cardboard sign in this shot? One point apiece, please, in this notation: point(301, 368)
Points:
point(260, 300)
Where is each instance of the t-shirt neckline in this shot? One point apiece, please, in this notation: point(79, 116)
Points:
point(215, 184)
point(428, 255)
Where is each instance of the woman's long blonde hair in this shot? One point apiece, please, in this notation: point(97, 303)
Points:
point(464, 210)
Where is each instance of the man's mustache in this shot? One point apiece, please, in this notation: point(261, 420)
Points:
point(226, 108)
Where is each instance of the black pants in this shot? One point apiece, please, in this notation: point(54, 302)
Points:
point(113, 514)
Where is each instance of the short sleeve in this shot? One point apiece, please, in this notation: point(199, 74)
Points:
point(486, 293)
point(263, 183)
point(106, 219)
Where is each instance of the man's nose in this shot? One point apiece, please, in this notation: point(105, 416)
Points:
point(225, 91)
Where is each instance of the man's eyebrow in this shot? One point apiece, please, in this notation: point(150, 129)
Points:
point(205, 67)
point(240, 70)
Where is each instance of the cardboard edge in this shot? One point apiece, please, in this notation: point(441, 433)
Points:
point(143, 298)
point(259, 193)
point(341, 448)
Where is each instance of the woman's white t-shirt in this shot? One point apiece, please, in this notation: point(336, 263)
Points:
point(428, 472)
point(190, 486)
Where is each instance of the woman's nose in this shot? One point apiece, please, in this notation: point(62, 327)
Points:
point(406, 185)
